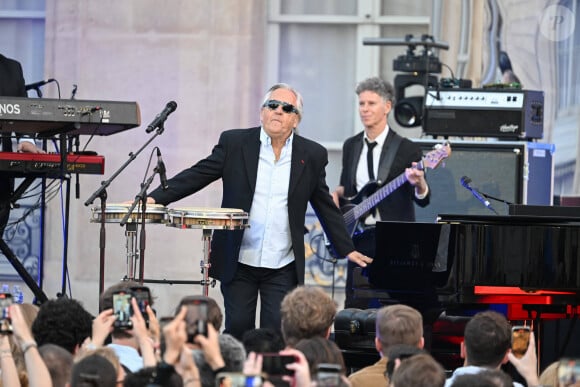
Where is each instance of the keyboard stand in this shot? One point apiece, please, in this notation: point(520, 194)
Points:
point(13, 259)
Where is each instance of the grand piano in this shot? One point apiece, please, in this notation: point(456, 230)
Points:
point(519, 260)
point(528, 265)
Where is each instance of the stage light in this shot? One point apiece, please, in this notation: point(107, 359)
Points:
point(409, 110)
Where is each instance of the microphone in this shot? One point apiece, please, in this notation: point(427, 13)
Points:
point(161, 117)
point(465, 183)
point(162, 171)
point(36, 85)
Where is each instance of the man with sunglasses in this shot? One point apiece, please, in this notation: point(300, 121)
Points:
point(378, 155)
point(272, 173)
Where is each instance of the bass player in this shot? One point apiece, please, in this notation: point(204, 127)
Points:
point(392, 155)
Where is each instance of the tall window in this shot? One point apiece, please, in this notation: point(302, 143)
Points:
point(332, 31)
point(22, 35)
point(565, 133)
point(568, 61)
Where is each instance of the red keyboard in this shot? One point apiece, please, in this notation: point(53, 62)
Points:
point(49, 164)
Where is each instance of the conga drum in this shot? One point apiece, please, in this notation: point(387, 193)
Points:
point(115, 212)
point(207, 219)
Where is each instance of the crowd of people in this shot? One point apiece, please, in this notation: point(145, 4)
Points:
point(272, 173)
point(61, 344)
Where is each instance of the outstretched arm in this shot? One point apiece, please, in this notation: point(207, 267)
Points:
point(38, 374)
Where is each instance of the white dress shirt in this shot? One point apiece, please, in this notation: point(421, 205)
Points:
point(267, 242)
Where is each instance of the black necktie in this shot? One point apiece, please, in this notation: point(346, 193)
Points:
point(370, 165)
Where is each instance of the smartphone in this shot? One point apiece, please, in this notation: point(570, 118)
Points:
point(122, 309)
point(196, 319)
point(520, 340)
point(568, 372)
point(275, 364)
point(143, 297)
point(237, 379)
point(5, 320)
point(328, 374)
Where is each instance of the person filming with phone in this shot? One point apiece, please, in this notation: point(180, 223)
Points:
point(487, 345)
point(121, 317)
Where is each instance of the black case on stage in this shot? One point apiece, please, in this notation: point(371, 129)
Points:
point(354, 333)
point(354, 329)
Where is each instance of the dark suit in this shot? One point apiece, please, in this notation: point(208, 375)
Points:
point(398, 206)
point(235, 160)
point(11, 78)
point(11, 85)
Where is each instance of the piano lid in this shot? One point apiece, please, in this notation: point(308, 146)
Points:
point(557, 219)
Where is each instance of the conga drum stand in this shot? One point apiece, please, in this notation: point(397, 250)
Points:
point(132, 252)
point(205, 263)
point(207, 219)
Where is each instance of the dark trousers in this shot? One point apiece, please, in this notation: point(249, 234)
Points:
point(241, 297)
point(6, 187)
point(4, 215)
point(365, 243)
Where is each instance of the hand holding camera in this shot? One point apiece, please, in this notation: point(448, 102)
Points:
point(102, 327)
point(300, 368)
point(175, 337)
point(526, 363)
point(5, 320)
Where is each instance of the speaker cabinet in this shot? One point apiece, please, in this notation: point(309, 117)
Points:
point(516, 172)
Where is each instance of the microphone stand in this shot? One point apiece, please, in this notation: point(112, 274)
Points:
point(101, 192)
point(507, 204)
point(141, 197)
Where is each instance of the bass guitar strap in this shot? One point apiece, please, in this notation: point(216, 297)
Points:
point(390, 156)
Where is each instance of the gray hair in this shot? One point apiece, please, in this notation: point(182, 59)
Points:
point(381, 87)
point(234, 356)
point(299, 100)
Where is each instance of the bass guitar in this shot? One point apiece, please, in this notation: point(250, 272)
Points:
point(373, 193)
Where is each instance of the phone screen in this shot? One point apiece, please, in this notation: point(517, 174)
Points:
point(328, 374)
point(196, 319)
point(122, 310)
point(5, 321)
point(143, 297)
point(275, 364)
point(238, 379)
point(569, 372)
point(520, 340)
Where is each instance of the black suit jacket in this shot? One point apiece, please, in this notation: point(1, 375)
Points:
point(235, 160)
point(11, 85)
point(11, 78)
point(398, 206)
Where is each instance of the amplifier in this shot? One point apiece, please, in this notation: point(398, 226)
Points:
point(504, 114)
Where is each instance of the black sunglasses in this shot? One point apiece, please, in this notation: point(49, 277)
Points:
point(273, 104)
